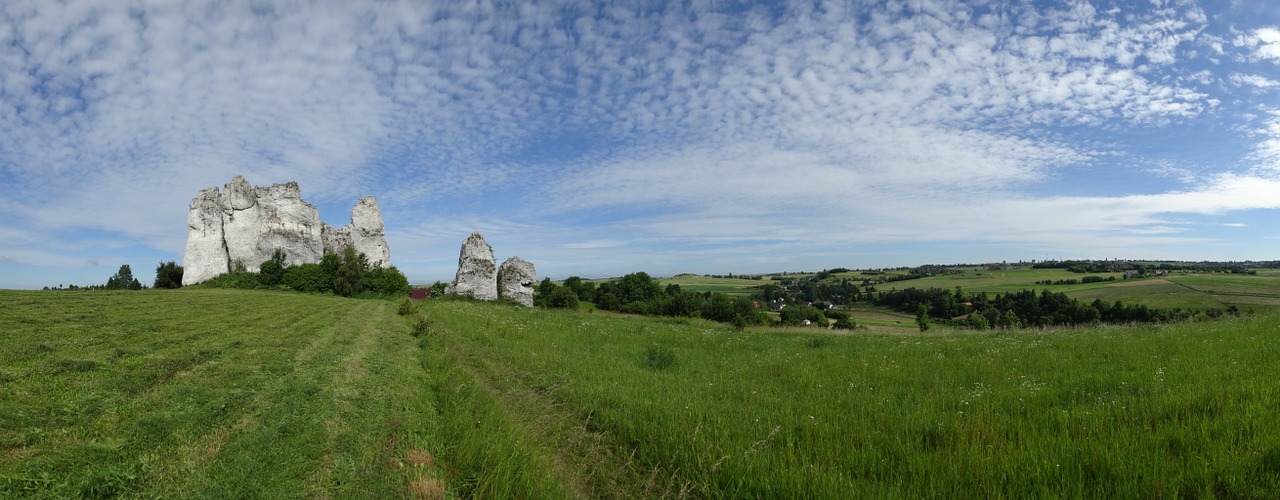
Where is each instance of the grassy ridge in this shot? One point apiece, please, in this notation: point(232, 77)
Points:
point(1174, 410)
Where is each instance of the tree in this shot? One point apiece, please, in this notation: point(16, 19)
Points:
point(123, 280)
point(585, 289)
point(845, 323)
point(922, 317)
point(562, 297)
point(349, 278)
point(271, 272)
point(168, 275)
point(796, 315)
point(637, 287)
point(387, 281)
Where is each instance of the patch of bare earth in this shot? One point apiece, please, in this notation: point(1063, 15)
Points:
point(426, 488)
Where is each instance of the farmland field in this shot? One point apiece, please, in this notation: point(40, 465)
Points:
point(1260, 292)
point(727, 286)
point(1199, 291)
point(224, 393)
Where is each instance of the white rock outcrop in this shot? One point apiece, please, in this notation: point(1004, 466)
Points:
point(365, 233)
point(516, 278)
point(243, 224)
point(477, 274)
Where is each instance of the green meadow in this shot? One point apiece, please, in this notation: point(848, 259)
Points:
point(231, 393)
point(727, 286)
point(1260, 293)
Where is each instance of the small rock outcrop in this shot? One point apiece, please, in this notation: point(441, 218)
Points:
point(246, 224)
point(516, 278)
point(477, 274)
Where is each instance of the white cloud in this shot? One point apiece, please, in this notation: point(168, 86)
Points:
point(1257, 81)
point(1266, 43)
point(636, 125)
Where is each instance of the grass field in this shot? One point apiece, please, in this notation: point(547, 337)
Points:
point(1260, 293)
point(727, 286)
point(224, 393)
point(686, 406)
point(230, 394)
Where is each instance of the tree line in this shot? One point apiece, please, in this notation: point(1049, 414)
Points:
point(168, 275)
point(639, 293)
point(347, 274)
point(1027, 308)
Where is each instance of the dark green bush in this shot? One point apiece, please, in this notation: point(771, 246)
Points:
point(390, 282)
point(242, 280)
point(310, 278)
point(271, 271)
point(562, 298)
point(422, 326)
point(795, 315)
point(407, 307)
point(658, 357)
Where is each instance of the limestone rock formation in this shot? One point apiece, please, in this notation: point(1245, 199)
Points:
point(365, 233)
point(477, 270)
point(244, 224)
point(516, 278)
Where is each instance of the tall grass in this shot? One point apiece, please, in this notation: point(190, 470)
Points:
point(1142, 412)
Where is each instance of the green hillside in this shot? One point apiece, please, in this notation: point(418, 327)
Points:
point(223, 393)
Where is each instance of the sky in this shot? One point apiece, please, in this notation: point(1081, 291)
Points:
point(599, 139)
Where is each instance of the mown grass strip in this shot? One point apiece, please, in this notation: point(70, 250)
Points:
point(210, 393)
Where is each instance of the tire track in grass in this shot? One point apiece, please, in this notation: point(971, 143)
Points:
point(345, 389)
point(278, 455)
point(195, 460)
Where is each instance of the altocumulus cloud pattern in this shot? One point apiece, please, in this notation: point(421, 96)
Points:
point(600, 139)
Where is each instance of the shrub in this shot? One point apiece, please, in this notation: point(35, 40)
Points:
point(308, 278)
point(636, 307)
point(389, 281)
point(407, 307)
point(562, 298)
point(438, 288)
point(422, 326)
point(243, 280)
point(271, 271)
point(795, 315)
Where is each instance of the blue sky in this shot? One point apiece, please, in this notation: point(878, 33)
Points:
point(601, 139)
